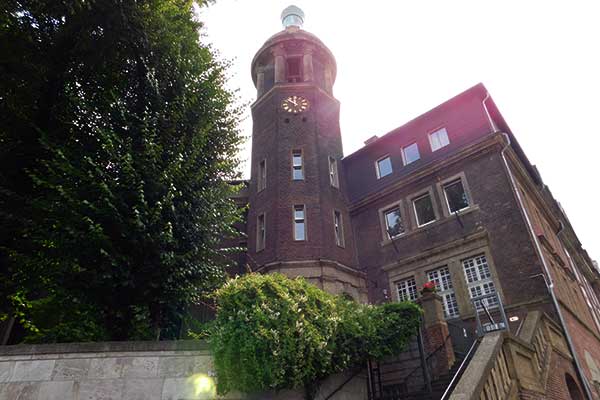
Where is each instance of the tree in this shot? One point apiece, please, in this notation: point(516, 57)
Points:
point(117, 142)
point(273, 333)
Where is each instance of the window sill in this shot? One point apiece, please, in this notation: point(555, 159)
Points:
point(433, 221)
point(430, 225)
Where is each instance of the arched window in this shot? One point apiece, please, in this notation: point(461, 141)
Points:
point(574, 392)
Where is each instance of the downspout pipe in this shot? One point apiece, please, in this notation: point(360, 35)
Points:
point(561, 228)
point(550, 286)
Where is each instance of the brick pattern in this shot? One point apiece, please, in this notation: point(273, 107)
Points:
point(556, 387)
point(438, 346)
point(494, 211)
point(316, 133)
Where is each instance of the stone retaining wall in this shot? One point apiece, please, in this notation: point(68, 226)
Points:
point(121, 370)
point(177, 370)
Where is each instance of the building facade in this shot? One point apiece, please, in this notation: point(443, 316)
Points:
point(449, 197)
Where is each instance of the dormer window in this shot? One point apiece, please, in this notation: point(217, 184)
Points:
point(438, 139)
point(293, 69)
point(383, 167)
point(410, 154)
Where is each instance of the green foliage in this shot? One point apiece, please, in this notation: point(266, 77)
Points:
point(272, 332)
point(117, 139)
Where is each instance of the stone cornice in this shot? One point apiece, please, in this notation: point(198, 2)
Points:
point(478, 236)
point(103, 347)
point(309, 264)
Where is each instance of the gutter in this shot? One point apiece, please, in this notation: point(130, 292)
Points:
point(546, 274)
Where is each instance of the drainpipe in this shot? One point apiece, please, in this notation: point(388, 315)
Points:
point(550, 286)
point(490, 120)
point(561, 228)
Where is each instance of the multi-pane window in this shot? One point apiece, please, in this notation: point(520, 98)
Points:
point(479, 280)
point(443, 283)
point(261, 232)
point(407, 289)
point(393, 222)
point(384, 167)
point(299, 223)
point(438, 139)
point(262, 175)
point(410, 153)
point(424, 211)
point(456, 196)
point(297, 167)
point(333, 173)
point(338, 228)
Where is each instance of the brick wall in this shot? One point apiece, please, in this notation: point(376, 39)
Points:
point(587, 345)
point(494, 211)
point(316, 133)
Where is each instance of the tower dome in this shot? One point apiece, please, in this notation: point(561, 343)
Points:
point(293, 55)
point(292, 16)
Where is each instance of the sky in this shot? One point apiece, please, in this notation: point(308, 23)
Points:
point(540, 61)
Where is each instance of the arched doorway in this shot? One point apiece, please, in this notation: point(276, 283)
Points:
point(574, 392)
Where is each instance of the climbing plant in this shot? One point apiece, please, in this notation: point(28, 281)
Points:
point(273, 333)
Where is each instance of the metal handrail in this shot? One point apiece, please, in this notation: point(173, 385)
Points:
point(434, 352)
point(443, 345)
point(343, 384)
point(459, 371)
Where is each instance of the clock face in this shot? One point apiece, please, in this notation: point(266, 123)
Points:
point(295, 104)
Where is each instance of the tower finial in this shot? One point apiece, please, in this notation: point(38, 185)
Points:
point(292, 16)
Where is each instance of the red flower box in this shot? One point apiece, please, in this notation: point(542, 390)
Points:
point(429, 287)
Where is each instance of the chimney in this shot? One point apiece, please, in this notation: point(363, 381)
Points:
point(371, 140)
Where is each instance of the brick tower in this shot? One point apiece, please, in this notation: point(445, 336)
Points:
point(298, 221)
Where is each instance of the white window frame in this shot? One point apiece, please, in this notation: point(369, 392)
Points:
point(338, 228)
point(262, 175)
point(299, 167)
point(261, 236)
point(333, 173)
point(466, 193)
point(299, 221)
point(481, 280)
point(378, 171)
point(407, 289)
point(588, 293)
point(435, 135)
point(385, 221)
point(404, 160)
point(443, 282)
point(419, 197)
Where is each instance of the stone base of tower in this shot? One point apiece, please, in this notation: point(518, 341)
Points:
point(328, 275)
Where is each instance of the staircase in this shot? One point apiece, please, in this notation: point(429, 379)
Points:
point(438, 386)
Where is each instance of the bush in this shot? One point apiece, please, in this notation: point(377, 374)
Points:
point(272, 333)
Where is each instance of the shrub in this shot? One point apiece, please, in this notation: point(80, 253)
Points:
point(272, 333)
